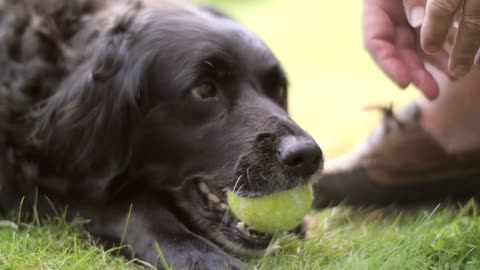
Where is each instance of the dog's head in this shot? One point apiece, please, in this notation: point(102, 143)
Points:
point(185, 102)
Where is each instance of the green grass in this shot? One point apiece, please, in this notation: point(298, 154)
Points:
point(338, 238)
point(446, 239)
point(53, 245)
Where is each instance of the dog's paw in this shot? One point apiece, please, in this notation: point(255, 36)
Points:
point(206, 261)
point(214, 261)
point(194, 255)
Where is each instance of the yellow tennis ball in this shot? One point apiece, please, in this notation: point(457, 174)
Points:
point(277, 212)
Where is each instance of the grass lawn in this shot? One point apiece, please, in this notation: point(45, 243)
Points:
point(332, 79)
point(339, 238)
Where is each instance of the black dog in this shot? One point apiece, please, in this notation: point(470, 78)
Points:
point(139, 116)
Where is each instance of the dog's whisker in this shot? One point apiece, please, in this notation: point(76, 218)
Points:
point(236, 183)
point(248, 178)
point(224, 220)
point(238, 191)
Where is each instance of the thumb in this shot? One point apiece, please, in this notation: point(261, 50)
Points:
point(415, 11)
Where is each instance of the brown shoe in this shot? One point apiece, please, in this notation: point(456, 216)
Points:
point(399, 163)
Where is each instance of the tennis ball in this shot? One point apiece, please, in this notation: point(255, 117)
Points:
point(277, 212)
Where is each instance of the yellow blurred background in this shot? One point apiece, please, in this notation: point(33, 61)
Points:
point(332, 77)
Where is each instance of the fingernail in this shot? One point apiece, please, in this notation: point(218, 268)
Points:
point(477, 58)
point(416, 16)
point(460, 71)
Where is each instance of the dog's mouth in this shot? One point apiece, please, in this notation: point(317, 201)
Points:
point(209, 214)
point(204, 199)
point(217, 199)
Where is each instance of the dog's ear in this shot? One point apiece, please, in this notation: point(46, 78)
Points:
point(284, 100)
point(217, 12)
point(86, 126)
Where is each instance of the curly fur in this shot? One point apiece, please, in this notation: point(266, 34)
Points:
point(96, 114)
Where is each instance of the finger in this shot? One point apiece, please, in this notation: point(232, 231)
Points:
point(412, 56)
point(388, 59)
point(421, 78)
point(427, 84)
point(452, 33)
point(438, 19)
point(379, 35)
point(415, 11)
point(467, 40)
point(439, 60)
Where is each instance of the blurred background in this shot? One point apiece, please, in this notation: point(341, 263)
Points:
point(319, 43)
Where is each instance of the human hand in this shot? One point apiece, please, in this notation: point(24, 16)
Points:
point(439, 19)
point(395, 47)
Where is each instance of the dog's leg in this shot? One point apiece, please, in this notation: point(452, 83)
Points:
point(151, 231)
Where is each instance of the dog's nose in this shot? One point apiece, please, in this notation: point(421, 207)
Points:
point(302, 155)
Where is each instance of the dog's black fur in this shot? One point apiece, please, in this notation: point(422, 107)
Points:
point(110, 106)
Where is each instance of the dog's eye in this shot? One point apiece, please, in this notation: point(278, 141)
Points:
point(281, 92)
point(204, 91)
point(278, 92)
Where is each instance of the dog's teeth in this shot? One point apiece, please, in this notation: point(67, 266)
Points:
point(224, 206)
point(242, 226)
point(275, 248)
point(214, 198)
point(203, 188)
